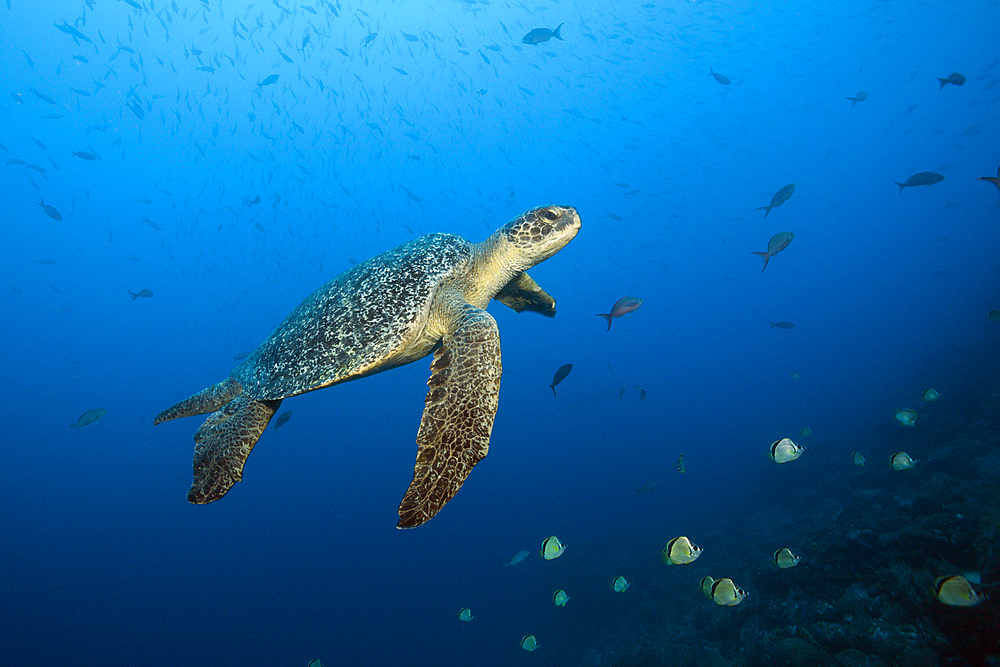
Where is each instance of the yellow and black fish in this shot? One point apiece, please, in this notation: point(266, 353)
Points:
point(784, 450)
point(680, 551)
point(957, 592)
point(552, 548)
point(784, 558)
point(726, 593)
point(901, 461)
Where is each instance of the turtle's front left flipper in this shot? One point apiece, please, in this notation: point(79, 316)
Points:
point(223, 443)
point(458, 415)
point(523, 293)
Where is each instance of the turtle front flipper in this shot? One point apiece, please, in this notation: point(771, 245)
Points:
point(523, 293)
point(206, 400)
point(223, 443)
point(458, 415)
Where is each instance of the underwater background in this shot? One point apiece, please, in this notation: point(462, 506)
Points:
point(147, 147)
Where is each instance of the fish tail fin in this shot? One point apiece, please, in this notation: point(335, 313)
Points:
point(853, 100)
point(765, 255)
point(607, 317)
point(766, 209)
point(943, 82)
point(901, 186)
point(133, 295)
point(711, 72)
point(555, 33)
point(773, 324)
point(553, 388)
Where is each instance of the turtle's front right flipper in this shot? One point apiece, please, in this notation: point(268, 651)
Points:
point(206, 400)
point(223, 443)
point(458, 415)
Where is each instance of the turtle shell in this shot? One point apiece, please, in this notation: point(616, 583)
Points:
point(356, 324)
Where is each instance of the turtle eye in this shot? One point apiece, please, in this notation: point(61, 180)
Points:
point(550, 214)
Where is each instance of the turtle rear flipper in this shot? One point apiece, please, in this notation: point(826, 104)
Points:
point(523, 293)
point(223, 443)
point(206, 400)
point(458, 415)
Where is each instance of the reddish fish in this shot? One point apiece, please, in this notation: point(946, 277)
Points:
point(777, 243)
point(626, 304)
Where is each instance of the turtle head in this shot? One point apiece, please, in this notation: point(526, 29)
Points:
point(539, 233)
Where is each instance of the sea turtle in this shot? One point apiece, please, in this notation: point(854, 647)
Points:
point(428, 295)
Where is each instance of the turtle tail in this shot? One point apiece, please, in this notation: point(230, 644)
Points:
point(206, 400)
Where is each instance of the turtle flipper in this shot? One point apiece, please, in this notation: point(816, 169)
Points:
point(522, 293)
point(223, 443)
point(458, 415)
point(206, 400)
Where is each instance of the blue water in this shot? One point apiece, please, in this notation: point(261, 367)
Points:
point(104, 561)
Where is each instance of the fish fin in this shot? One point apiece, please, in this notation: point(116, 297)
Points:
point(133, 295)
point(901, 186)
point(555, 33)
point(522, 293)
point(943, 82)
point(773, 324)
point(553, 388)
point(765, 256)
point(206, 400)
point(223, 443)
point(454, 435)
point(766, 209)
point(608, 317)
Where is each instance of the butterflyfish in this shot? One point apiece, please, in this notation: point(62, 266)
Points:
point(784, 558)
point(784, 450)
point(680, 551)
point(552, 548)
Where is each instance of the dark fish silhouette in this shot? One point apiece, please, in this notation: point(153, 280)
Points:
point(624, 305)
point(49, 211)
point(282, 419)
point(781, 325)
point(146, 293)
point(923, 178)
point(777, 243)
point(539, 35)
point(560, 376)
point(954, 79)
point(89, 417)
point(990, 179)
point(860, 97)
point(268, 81)
point(779, 198)
point(724, 80)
